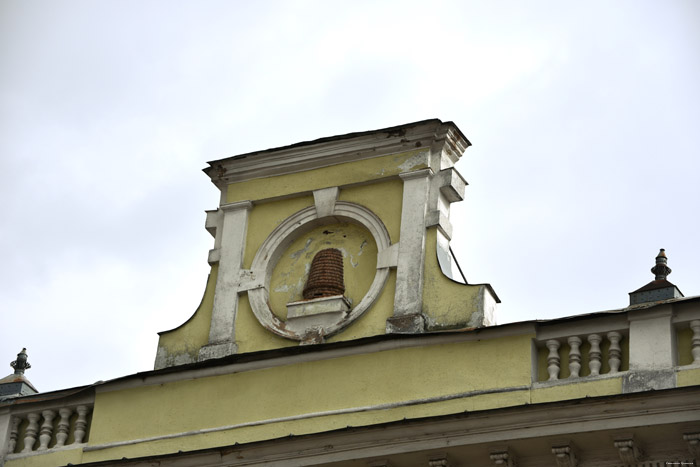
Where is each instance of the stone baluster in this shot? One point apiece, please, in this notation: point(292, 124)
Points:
point(30, 433)
point(695, 342)
point(46, 429)
point(80, 424)
point(63, 425)
point(553, 359)
point(14, 432)
point(594, 354)
point(615, 353)
point(574, 356)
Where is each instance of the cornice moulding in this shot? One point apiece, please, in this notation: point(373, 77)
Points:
point(428, 135)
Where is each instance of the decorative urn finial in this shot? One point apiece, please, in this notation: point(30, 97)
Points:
point(661, 269)
point(21, 363)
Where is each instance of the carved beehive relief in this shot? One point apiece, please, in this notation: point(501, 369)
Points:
point(326, 275)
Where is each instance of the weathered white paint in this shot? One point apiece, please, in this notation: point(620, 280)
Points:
point(316, 306)
point(651, 339)
point(408, 299)
point(232, 235)
point(214, 224)
point(388, 257)
point(443, 139)
point(324, 201)
point(5, 420)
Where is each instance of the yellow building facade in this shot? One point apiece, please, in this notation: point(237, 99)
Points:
point(332, 332)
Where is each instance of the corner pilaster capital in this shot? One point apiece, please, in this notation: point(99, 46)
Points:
point(422, 173)
point(237, 206)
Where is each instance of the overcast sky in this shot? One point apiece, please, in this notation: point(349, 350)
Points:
point(584, 119)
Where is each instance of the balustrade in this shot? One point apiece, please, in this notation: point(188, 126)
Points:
point(39, 432)
point(595, 354)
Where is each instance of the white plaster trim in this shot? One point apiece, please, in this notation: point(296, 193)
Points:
point(652, 343)
point(437, 218)
point(451, 184)
point(388, 257)
point(416, 174)
point(599, 325)
point(250, 279)
point(214, 256)
point(408, 299)
point(686, 315)
point(325, 201)
point(440, 137)
point(277, 242)
point(214, 221)
point(236, 206)
point(579, 380)
point(231, 238)
point(68, 447)
point(326, 413)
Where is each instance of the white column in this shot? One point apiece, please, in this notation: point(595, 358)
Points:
point(408, 299)
point(222, 340)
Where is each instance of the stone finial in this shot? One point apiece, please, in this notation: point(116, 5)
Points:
point(21, 363)
point(661, 269)
point(658, 289)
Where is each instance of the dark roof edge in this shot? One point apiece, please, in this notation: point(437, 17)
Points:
point(327, 139)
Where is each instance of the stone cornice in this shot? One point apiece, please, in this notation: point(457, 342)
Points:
point(427, 134)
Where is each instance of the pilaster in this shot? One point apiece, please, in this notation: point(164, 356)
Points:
point(651, 351)
point(408, 299)
point(231, 238)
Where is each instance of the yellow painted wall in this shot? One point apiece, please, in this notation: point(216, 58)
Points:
point(684, 338)
point(188, 338)
point(446, 304)
point(265, 217)
point(337, 175)
point(690, 377)
point(384, 198)
point(354, 381)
